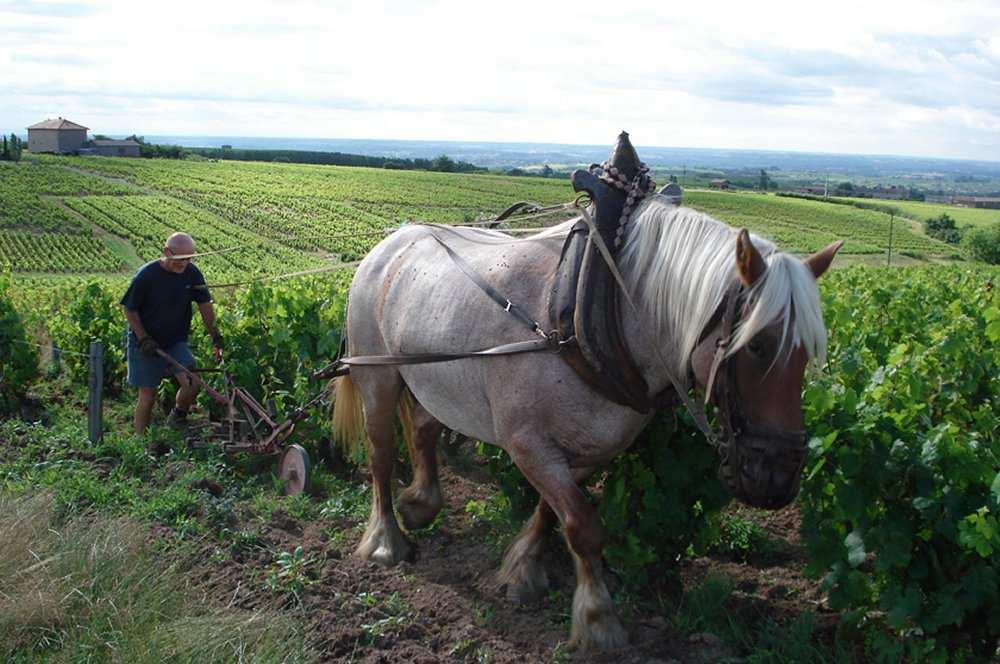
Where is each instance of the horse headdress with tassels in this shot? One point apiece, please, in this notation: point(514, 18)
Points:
point(557, 347)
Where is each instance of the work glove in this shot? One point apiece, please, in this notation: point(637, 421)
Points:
point(217, 346)
point(148, 346)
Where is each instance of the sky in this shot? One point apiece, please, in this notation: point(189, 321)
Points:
point(875, 77)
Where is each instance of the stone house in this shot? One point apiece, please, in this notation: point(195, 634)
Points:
point(60, 136)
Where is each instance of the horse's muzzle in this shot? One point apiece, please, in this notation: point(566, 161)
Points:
point(764, 468)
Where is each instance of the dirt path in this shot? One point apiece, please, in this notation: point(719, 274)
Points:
point(119, 246)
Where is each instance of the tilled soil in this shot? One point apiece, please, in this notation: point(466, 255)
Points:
point(444, 606)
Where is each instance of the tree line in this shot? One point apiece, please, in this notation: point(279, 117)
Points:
point(441, 163)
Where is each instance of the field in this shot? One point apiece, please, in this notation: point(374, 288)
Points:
point(890, 552)
point(285, 217)
point(921, 211)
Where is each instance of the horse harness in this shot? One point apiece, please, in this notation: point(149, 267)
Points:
point(584, 305)
point(721, 381)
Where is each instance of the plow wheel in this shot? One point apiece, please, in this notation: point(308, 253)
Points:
point(293, 469)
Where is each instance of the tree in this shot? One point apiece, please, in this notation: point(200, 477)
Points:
point(763, 180)
point(546, 171)
point(443, 163)
point(983, 244)
point(5, 155)
point(943, 228)
point(846, 187)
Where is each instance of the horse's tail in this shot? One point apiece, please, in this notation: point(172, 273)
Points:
point(348, 416)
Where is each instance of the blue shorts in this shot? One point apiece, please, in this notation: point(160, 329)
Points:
point(145, 371)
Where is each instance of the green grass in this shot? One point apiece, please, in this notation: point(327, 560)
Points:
point(920, 211)
point(803, 226)
point(92, 588)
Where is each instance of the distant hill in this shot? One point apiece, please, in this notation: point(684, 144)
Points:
point(507, 155)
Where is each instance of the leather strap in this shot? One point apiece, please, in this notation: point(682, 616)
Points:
point(508, 306)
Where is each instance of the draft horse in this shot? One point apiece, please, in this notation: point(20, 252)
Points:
point(680, 267)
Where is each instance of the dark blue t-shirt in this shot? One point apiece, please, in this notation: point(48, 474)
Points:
point(163, 300)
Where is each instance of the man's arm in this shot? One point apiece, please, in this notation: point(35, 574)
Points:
point(207, 312)
point(135, 323)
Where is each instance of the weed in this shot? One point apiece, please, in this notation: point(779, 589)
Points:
point(288, 572)
point(346, 501)
point(395, 611)
point(468, 650)
point(483, 614)
point(241, 541)
point(561, 653)
point(737, 536)
point(704, 608)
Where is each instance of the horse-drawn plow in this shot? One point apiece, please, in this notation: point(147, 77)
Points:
point(247, 426)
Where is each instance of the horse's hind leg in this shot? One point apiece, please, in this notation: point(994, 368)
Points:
point(522, 572)
point(595, 625)
point(380, 389)
point(420, 502)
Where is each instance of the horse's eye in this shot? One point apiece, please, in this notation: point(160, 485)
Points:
point(756, 348)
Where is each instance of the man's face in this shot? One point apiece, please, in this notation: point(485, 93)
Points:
point(177, 265)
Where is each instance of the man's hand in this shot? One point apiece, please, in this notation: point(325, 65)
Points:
point(217, 345)
point(148, 346)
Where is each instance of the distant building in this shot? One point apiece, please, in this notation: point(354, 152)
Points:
point(989, 202)
point(814, 189)
point(937, 198)
point(893, 193)
point(111, 148)
point(59, 136)
point(719, 184)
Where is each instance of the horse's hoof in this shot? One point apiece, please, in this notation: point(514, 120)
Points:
point(417, 510)
point(595, 624)
point(528, 591)
point(602, 635)
point(385, 546)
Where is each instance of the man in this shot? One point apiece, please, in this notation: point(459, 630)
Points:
point(157, 307)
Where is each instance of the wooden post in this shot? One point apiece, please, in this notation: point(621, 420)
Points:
point(55, 363)
point(95, 401)
point(888, 258)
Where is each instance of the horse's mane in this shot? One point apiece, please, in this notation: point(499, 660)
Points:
point(679, 263)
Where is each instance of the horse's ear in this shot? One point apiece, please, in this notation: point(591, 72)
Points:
point(819, 262)
point(749, 262)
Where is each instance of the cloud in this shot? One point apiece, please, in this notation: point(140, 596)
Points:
point(893, 76)
point(49, 9)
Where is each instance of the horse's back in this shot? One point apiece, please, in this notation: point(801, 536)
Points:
point(408, 296)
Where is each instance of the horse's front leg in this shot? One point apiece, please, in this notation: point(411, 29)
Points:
point(595, 624)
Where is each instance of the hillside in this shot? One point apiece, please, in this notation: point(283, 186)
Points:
point(104, 215)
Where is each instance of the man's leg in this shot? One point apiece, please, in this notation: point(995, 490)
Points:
point(187, 389)
point(144, 409)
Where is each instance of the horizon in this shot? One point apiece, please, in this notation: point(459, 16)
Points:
point(909, 79)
